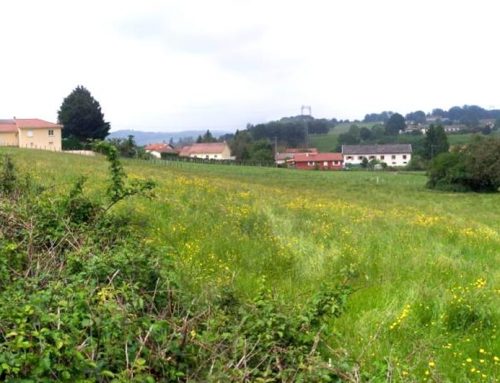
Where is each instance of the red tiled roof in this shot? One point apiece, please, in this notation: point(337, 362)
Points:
point(207, 148)
point(160, 148)
point(184, 152)
point(35, 123)
point(306, 157)
point(8, 126)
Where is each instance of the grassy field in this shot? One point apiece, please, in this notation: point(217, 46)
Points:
point(423, 265)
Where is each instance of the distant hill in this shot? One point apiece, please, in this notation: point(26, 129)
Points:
point(144, 138)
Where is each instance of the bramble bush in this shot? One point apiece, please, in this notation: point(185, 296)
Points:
point(85, 299)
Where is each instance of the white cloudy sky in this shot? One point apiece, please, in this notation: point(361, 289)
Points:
point(194, 64)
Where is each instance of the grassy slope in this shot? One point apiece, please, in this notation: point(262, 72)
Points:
point(328, 142)
point(420, 257)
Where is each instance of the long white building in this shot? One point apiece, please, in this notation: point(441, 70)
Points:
point(391, 154)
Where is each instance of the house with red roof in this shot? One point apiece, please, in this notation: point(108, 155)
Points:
point(208, 151)
point(156, 150)
point(288, 154)
point(31, 133)
point(322, 161)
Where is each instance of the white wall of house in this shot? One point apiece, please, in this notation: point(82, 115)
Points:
point(389, 159)
point(209, 156)
point(224, 155)
point(154, 153)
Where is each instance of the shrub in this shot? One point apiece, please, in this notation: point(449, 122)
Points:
point(475, 168)
point(85, 298)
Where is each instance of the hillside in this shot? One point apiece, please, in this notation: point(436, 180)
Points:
point(328, 142)
point(421, 267)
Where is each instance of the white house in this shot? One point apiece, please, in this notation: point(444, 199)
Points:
point(208, 151)
point(391, 154)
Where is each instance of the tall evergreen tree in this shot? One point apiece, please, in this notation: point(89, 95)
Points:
point(81, 116)
point(435, 141)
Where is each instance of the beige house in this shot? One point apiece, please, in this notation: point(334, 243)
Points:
point(31, 133)
point(208, 151)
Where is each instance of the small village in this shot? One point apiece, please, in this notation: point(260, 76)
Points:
point(44, 135)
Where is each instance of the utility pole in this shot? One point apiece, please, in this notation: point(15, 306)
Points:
point(275, 150)
point(306, 109)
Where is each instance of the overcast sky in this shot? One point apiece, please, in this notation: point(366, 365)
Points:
point(195, 64)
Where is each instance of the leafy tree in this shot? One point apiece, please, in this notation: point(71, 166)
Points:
point(351, 137)
point(378, 117)
point(417, 117)
point(240, 145)
point(81, 116)
point(475, 168)
point(261, 150)
point(483, 164)
point(378, 131)
point(435, 142)
point(126, 146)
point(394, 124)
point(447, 172)
point(365, 134)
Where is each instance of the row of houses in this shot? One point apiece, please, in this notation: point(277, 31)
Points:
point(207, 151)
point(40, 134)
point(394, 155)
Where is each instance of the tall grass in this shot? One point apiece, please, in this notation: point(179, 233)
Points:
point(423, 264)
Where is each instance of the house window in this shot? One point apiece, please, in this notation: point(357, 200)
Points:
point(310, 163)
point(404, 157)
point(372, 157)
point(393, 157)
point(360, 158)
point(51, 132)
point(325, 163)
point(29, 133)
point(382, 157)
point(215, 155)
point(349, 157)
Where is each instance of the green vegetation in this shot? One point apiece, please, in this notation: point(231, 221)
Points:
point(474, 168)
point(234, 273)
point(82, 118)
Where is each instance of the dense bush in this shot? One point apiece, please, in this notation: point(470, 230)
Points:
point(473, 168)
point(85, 299)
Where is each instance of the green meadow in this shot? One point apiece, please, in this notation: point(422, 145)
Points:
point(422, 266)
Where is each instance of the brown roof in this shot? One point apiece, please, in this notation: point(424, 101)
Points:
point(306, 157)
point(376, 149)
point(212, 148)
